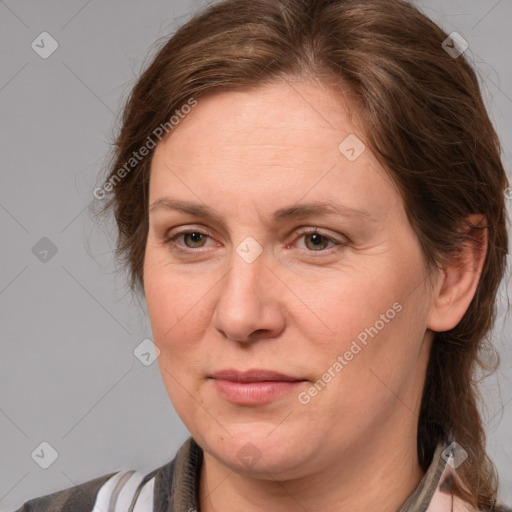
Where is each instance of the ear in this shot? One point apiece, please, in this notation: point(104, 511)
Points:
point(456, 286)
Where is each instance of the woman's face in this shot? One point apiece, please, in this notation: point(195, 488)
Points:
point(238, 281)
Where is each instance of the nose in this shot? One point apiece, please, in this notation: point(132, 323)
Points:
point(249, 305)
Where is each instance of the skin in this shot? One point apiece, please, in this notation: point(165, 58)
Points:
point(295, 308)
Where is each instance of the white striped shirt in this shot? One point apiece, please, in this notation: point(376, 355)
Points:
point(118, 493)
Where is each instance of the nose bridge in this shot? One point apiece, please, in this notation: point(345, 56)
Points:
point(244, 304)
point(247, 267)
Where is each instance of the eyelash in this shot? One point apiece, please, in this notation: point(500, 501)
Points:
point(171, 241)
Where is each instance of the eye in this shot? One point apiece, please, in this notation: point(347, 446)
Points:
point(316, 241)
point(193, 238)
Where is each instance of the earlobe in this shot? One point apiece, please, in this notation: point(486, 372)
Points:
point(459, 279)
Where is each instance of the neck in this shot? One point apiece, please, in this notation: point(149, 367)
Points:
point(362, 479)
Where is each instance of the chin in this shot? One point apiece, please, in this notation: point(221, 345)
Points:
point(251, 451)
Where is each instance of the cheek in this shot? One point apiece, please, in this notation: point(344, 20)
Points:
point(376, 322)
point(177, 308)
point(170, 303)
point(349, 308)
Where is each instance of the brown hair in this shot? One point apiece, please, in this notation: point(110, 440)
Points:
point(424, 119)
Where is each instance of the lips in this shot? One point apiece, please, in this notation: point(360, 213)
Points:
point(254, 375)
point(254, 387)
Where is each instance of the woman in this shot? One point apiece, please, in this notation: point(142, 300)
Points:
point(311, 199)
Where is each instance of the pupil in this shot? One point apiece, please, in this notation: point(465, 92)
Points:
point(316, 240)
point(194, 237)
point(316, 237)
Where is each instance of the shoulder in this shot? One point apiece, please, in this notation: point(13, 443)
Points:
point(128, 490)
point(78, 498)
point(501, 508)
point(440, 485)
point(115, 492)
point(445, 500)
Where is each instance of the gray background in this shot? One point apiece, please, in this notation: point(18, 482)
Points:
point(68, 325)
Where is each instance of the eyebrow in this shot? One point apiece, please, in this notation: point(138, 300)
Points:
point(297, 211)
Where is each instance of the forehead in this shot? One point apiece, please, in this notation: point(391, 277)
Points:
point(282, 113)
point(282, 139)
